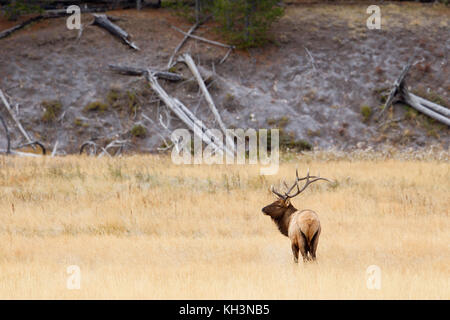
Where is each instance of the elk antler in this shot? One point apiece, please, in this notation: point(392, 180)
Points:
point(297, 180)
point(276, 193)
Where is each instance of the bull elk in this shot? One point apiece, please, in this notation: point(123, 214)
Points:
point(302, 227)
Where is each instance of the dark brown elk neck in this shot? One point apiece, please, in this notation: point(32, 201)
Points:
point(283, 222)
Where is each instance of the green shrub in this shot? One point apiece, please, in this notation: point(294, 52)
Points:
point(96, 106)
point(133, 103)
point(15, 9)
point(278, 122)
point(138, 131)
point(51, 110)
point(246, 22)
point(366, 112)
point(113, 97)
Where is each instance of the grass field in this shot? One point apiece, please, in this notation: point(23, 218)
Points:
point(141, 227)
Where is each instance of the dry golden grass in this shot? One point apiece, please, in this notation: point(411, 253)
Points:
point(141, 227)
point(354, 16)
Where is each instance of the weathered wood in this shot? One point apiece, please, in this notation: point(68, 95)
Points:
point(433, 106)
point(49, 14)
point(33, 143)
point(55, 148)
point(180, 45)
point(414, 102)
point(89, 143)
point(13, 116)
point(9, 31)
point(186, 58)
point(217, 141)
point(226, 56)
point(216, 43)
point(113, 144)
point(132, 71)
point(396, 86)
point(8, 137)
point(22, 154)
point(102, 21)
point(174, 106)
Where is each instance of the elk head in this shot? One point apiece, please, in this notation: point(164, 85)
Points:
point(277, 209)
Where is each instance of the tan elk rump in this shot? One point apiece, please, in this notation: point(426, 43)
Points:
point(302, 227)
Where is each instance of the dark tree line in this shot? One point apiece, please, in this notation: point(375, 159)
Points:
point(244, 22)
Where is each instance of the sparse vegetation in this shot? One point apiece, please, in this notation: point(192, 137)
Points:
point(80, 123)
point(96, 106)
point(366, 113)
point(410, 114)
point(138, 131)
point(278, 122)
point(133, 103)
point(288, 142)
point(51, 110)
point(127, 101)
point(431, 96)
point(313, 133)
point(113, 98)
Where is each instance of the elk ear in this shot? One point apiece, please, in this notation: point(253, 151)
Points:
point(287, 202)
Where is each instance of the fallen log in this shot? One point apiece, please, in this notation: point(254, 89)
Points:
point(216, 43)
point(174, 106)
point(22, 154)
point(102, 21)
point(186, 37)
point(431, 109)
point(180, 45)
point(226, 56)
point(433, 106)
point(396, 87)
point(7, 32)
point(55, 148)
point(50, 14)
point(217, 141)
point(8, 138)
point(186, 58)
point(13, 116)
point(415, 103)
point(131, 71)
point(33, 143)
point(113, 144)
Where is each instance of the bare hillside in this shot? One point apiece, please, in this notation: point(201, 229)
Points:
point(313, 80)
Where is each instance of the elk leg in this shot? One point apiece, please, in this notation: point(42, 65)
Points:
point(304, 253)
point(295, 252)
point(314, 243)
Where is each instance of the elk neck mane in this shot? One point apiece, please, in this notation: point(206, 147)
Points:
point(283, 221)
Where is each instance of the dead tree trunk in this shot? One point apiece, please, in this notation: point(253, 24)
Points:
point(8, 138)
point(180, 45)
point(186, 58)
point(102, 21)
point(395, 87)
point(7, 32)
point(13, 116)
point(433, 110)
point(188, 118)
point(415, 103)
point(431, 105)
point(46, 15)
point(130, 71)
